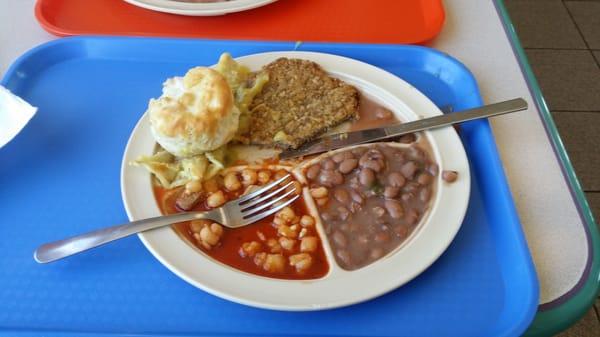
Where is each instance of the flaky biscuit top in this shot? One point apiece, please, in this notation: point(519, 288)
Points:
point(206, 99)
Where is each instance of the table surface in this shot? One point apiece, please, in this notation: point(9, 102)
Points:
point(474, 34)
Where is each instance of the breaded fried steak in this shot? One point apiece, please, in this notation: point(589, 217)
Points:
point(299, 102)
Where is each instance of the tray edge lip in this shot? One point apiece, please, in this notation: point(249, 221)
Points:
point(28, 54)
point(45, 23)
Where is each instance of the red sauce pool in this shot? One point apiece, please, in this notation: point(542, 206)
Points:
point(227, 251)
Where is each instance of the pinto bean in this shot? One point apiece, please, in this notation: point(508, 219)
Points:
point(356, 197)
point(343, 213)
point(313, 172)
point(395, 179)
point(366, 177)
point(372, 154)
point(354, 207)
point(416, 153)
point(401, 231)
point(331, 178)
point(341, 195)
point(373, 160)
point(326, 216)
point(354, 182)
point(383, 113)
point(411, 217)
point(400, 157)
point(433, 169)
point(408, 170)
point(359, 151)
point(322, 201)
point(391, 192)
point(394, 208)
point(339, 239)
point(363, 239)
point(407, 139)
point(376, 253)
point(328, 164)
point(344, 257)
point(411, 187)
point(340, 157)
point(407, 196)
point(375, 165)
point(424, 179)
point(378, 211)
point(449, 176)
point(424, 195)
point(348, 165)
point(382, 237)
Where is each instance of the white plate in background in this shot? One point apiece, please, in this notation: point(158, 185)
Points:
point(199, 8)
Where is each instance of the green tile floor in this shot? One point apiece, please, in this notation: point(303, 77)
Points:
point(562, 41)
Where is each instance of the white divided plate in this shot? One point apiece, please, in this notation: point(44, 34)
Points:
point(199, 8)
point(339, 287)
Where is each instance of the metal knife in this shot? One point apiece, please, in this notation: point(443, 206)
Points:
point(340, 140)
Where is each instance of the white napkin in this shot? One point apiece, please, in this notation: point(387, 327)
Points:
point(14, 115)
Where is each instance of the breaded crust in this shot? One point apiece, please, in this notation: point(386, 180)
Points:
point(299, 103)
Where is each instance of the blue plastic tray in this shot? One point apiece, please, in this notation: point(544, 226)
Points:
point(60, 177)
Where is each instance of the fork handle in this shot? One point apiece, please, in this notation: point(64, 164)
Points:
point(56, 250)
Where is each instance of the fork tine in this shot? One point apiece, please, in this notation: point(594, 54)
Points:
point(254, 202)
point(270, 211)
point(262, 190)
point(266, 204)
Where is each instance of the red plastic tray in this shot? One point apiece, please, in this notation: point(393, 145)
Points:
point(379, 21)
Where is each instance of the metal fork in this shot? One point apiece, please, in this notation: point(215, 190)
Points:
point(235, 213)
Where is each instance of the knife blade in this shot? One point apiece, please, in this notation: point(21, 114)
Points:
point(340, 140)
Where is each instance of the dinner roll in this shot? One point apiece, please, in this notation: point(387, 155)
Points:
point(194, 114)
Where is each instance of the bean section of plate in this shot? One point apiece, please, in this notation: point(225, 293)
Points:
point(371, 198)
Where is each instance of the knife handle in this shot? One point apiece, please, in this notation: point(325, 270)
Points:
point(485, 111)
